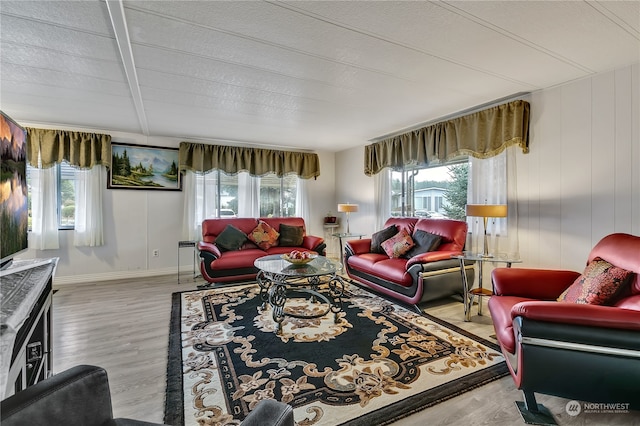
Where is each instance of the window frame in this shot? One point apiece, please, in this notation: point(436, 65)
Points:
point(59, 179)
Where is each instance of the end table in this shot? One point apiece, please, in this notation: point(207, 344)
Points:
point(340, 237)
point(470, 294)
point(192, 245)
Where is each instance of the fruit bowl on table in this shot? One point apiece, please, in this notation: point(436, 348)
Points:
point(299, 261)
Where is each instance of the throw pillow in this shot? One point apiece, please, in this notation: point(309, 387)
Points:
point(264, 236)
point(291, 236)
point(600, 284)
point(231, 238)
point(425, 242)
point(398, 245)
point(379, 237)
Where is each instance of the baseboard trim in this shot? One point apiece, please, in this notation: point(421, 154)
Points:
point(108, 276)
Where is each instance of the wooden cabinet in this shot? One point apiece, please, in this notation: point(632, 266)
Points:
point(25, 336)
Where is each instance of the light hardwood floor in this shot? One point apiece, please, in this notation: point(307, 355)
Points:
point(123, 326)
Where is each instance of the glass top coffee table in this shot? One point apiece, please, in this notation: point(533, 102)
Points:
point(280, 280)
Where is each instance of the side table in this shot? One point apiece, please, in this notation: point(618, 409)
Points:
point(480, 291)
point(329, 230)
point(340, 236)
point(186, 244)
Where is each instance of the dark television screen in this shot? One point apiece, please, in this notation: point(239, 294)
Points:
point(13, 189)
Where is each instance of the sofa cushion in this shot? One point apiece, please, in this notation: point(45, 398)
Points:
point(398, 245)
point(601, 283)
point(264, 236)
point(291, 236)
point(424, 242)
point(231, 238)
point(381, 236)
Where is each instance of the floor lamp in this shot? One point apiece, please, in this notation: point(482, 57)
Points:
point(486, 211)
point(347, 208)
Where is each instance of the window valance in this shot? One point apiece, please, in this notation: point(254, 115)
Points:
point(79, 149)
point(199, 157)
point(481, 134)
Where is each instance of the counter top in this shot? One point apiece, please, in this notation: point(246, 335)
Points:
point(20, 287)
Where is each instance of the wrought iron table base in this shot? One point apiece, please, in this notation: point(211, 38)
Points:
point(275, 289)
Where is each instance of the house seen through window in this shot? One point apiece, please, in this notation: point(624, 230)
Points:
point(433, 192)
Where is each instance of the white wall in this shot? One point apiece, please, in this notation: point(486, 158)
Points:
point(139, 221)
point(580, 181)
point(353, 186)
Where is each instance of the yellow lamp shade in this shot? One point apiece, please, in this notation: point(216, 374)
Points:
point(347, 208)
point(487, 210)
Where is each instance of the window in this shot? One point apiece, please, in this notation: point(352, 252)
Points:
point(278, 195)
point(228, 191)
point(66, 195)
point(430, 192)
point(274, 196)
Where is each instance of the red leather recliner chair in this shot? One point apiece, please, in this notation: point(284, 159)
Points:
point(583, 352)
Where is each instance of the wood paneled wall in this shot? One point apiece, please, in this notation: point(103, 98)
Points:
point(581, 180)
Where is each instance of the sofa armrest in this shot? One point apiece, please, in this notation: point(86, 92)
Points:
point(270, 412)
point(359, 246)
point(539, 284)
point(432, 256)
point(310, 242)
point(209, 248)
point(77, 396)
point(580, 314)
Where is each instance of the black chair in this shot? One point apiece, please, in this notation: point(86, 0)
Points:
point(80, 396)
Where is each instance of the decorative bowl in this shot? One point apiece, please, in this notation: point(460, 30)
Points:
point(299, 261)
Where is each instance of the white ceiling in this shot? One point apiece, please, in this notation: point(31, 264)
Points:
point(307, 74)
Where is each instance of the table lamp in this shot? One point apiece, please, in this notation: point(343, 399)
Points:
point(347, 208)
point(486, 211)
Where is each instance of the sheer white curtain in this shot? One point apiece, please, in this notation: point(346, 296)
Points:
point(89, 187)
point(200, 202)
point(302, 200)
point(493, 181)
point(44, 200)
point(382, 189)
point(248, 195)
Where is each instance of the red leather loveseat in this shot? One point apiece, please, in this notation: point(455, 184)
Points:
point(584, 347)
point(422, 274)
point(227, 263)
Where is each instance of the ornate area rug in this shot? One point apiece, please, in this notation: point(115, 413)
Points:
point(378, 363)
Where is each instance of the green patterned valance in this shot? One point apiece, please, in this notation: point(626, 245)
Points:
point(200, 157)
point(79, 149)
point(481, 134)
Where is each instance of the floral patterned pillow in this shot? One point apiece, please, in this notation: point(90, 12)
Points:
point(600, 284)
point(264, 235)
point(398, 245)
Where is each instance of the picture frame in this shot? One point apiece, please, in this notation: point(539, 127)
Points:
point(144, 167)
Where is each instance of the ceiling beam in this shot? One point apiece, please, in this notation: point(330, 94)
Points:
point(119, 24)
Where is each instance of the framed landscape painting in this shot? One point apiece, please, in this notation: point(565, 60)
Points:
point(143, 167)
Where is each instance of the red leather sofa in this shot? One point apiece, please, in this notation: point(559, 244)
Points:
point(426, 276)
point(218, 265)
point(585, 352)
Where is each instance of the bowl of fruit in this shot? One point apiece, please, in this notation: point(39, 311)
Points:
point(298, 257)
